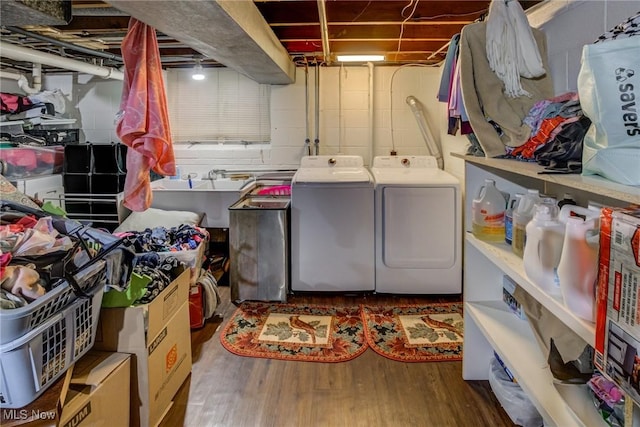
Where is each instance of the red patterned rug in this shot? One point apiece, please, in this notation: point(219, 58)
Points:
point(295, 332)
point(415, 333)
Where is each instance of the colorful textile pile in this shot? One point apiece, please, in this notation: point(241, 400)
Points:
point(557, 129)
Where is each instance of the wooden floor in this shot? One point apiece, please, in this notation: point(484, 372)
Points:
point(370, 390)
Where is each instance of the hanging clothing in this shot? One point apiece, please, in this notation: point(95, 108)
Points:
point(482, 92)
point(510, 46)
point(143, 123)
point(447, 69)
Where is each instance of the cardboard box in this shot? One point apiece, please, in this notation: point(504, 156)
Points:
point(508, 290)
point(158, 335)
point(98, 393)
point(617, 349)
point(611, 254)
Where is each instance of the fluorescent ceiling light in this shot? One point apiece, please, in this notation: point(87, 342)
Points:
point(360, 58)
point(198, 73)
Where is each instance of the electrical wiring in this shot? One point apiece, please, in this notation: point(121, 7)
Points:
point(393, 144)
point(413, 11)
point(451, 15)
point(361, 12)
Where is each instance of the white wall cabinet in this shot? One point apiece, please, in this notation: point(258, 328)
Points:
point(490, 325)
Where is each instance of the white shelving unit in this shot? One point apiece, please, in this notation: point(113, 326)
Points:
point(490, 325)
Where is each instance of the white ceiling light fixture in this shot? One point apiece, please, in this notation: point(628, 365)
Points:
point(198, 72)
point(360, 58)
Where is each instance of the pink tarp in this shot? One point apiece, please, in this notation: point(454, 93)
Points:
point(144, 124)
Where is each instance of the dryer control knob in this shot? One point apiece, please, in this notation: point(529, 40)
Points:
point(332, 161)
point(405, 162)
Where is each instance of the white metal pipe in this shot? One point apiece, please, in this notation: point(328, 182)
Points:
point(37, 77)
point(370, 66)
point(9, 75)
point(324, 31)
point(20, 53)
point(317, 109)
point(22, 81)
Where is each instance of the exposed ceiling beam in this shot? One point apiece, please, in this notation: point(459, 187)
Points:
point(232, 32)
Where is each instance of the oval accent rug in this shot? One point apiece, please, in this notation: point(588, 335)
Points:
point(295, 332)
point(415, 333)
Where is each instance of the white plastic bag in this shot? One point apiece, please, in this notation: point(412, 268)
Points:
point(512, 398)
point(609, 88)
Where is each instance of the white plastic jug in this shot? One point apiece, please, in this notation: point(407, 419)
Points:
point(522, 214)
point(578, 268)
point(488, 210)
point(543, 248)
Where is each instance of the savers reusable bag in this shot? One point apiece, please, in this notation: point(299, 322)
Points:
point(609, 88)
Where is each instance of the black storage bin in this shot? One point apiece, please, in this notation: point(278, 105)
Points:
point(110, 183)
point(77, 158)
point(77, 207)
point(77, 184)
point(109, 158)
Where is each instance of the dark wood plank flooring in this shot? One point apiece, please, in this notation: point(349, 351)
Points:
point(370, 390)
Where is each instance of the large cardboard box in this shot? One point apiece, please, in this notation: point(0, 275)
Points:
point(98, 392)
point(158, 335)
point(618, 333)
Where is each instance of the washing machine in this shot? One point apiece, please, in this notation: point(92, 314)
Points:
point(332, 225)
point(418, 221)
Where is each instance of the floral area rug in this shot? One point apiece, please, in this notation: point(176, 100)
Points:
point(295, 332)
point(420, 333)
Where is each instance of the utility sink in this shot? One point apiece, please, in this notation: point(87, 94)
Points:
point(211, 197)
point(180, 184)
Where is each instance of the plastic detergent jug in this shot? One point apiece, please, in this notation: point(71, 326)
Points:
point(578, 268)
point(522, 214)
point(488, 210)
point(508, 217)
point(543, 248)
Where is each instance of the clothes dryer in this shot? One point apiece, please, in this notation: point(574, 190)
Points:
point(332, 225)
point(418, 221)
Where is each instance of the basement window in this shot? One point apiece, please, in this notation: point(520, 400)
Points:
point(226, 107)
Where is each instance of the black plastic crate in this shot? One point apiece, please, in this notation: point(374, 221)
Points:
point(77, 158)
point(76, 184)
point(109, 158)
point(111, 183)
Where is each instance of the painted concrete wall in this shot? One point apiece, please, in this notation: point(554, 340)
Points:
point(344, 121)
point(345, 125)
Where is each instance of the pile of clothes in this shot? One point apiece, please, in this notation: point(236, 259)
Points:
point(557, 127)
point(161, 253)
point(41, 252)
point(159, 271)
point(161, 239)
point(24, 240)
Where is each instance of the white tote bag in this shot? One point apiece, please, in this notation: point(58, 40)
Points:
point(609, 88)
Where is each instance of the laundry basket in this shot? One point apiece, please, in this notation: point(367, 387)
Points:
point(31, 363)
point(16, 322)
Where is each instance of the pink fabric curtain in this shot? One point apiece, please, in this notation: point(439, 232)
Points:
point(144, 122)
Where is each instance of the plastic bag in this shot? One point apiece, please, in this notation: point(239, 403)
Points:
point(512, 398)
point(609, 88)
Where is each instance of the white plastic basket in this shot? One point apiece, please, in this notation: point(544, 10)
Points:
point(16, 322)
point(31, 363)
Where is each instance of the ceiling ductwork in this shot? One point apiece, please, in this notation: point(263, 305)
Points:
point(20, 53)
